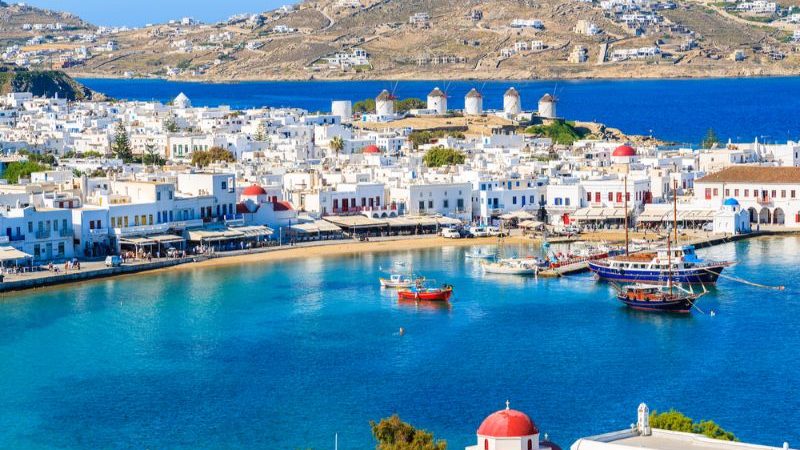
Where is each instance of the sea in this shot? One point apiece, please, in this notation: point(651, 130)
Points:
point(677, 110)
point(291, 354)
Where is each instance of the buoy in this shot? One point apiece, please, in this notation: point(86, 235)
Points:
point(713, 313)
point(402, 331)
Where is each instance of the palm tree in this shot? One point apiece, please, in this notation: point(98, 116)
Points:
point(337, 145)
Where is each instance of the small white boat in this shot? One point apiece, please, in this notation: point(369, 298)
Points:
point(480, 254)
point(513, 266)
point(397, 280)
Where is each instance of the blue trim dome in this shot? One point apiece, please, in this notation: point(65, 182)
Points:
point(731, 202)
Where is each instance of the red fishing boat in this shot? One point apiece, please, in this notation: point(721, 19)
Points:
point(421, 293)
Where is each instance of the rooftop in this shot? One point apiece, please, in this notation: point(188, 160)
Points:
point(754, 174)
point(661, 440)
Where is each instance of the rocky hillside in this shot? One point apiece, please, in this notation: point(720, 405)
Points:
point(44, 84)
point(449, 39)
point(19, 23)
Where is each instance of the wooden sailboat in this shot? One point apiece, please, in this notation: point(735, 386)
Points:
point(657, 297)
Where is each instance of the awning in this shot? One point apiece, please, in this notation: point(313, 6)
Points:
point(214, 236)
point(598, 213)
point(530, 224)
point(137, 241)
point(167, 238)
point(315, 227)
point(447, 221)
point(12, 254)
point(665, 213)
point(357, 221)
point(254, 231)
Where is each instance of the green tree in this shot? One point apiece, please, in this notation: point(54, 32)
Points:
point(261, 133)
point(710, 140)
point(21, 169)
point(151, 156)
point(337, 145)
point(560, 132)
point(676, 421)
point(170, 125)
point(121, 147)
point(408, 104)
point(394, 434)
point(441, 156)
point(364, 106)
point(204, 158)
point(426, 137)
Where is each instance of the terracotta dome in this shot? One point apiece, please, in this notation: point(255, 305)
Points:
point(254, 190)
point(507, 423)
point(624, 150)
point(372, 149)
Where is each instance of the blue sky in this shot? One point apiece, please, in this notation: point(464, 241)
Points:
point(140, 12)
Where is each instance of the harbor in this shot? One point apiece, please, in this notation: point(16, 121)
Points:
point(325, 314)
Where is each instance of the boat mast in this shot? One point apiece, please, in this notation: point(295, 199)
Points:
point(675, 210)
point(625, 207)
point(669, 264)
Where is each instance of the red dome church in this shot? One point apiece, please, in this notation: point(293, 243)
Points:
point(509, 429)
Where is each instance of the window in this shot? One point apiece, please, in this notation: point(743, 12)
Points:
point(170, 195)
point(588, 196)
point(460, 203)
point(91, 224)
point(708, 193)
point(224, 185)
point(30, 226)
point(747, 192)
point(64, 224)
point(136, 221)
point(37, 251)
point(792, 194)
point(514, 200)
point(422, 205)
point(60, 249)
point(716, 192)
point(727, 192)
point(735, 192)
point(445, 204)
point(611, 196)
point(151, 219)
point(783, 194)
point(99, 224)
point(774, 194)
point(430, 204)
point(566, 201)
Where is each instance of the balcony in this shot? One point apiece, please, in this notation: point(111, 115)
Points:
point(14, 238)
point(43, 234)
point(764, 201)
point(142, 229)
point(65, 232)
point(185, 224)
point(98, 232)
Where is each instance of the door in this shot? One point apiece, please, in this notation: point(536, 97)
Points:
point(48, 250)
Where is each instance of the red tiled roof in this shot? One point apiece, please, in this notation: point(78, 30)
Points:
point(282, 206)
point(755, 175)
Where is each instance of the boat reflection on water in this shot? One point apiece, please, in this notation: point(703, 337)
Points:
point(425, 306)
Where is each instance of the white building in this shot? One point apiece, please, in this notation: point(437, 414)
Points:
point(473, 103)
point(512, 104)
point(771, 195)
point(509, 429)
point(437, 101)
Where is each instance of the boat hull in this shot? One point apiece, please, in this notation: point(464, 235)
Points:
point(442, 295)
point(678, 306)
point(699, 275)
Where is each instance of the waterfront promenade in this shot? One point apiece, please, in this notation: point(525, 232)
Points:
point(97, 269)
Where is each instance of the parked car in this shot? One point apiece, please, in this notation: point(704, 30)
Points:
point(113, 261)
point(451, 233)
point(479, 231)
point(494, 231)
point(572, 229)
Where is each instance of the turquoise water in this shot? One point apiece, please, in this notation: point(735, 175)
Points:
point(286, 354)
point(678, 110)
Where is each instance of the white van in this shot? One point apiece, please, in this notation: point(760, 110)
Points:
point(451, 233)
